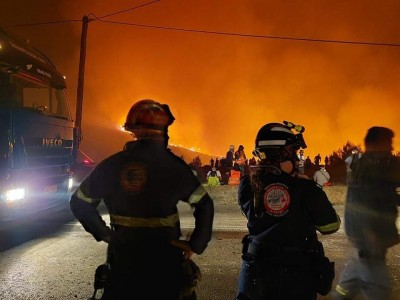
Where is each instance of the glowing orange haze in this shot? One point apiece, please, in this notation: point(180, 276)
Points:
point(220, 88)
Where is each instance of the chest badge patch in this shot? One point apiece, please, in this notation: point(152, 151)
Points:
point(133, 177)
point(276, 199)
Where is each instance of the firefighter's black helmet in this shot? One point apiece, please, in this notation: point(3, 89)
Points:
point(274, 141)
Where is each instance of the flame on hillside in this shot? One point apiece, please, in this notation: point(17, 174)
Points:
point(188, 154)
point(193, 149)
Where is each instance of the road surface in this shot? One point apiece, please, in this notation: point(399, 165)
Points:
point(52, 257)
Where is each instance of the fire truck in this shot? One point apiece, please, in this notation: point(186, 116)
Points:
point(38, 144)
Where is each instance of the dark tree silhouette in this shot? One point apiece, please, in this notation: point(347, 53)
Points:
point(196, 162)
point(337, 166)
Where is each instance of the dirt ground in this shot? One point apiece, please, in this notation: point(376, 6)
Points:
point(228, 194)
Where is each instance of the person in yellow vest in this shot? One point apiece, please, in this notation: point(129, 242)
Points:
point(214, 177)
point(240, 159)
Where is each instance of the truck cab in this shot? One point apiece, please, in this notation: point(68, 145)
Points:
point(36, 131)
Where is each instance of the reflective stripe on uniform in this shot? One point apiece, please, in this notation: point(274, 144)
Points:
point(341, 290)
point(79, 194)
point(196, 196)
point(170, 221)
point(330, 227)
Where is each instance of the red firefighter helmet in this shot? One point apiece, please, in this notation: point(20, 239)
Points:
point(149, 115)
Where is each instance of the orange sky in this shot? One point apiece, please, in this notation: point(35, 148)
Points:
point(222, 88)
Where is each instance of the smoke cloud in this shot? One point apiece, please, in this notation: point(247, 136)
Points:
point(223, 88)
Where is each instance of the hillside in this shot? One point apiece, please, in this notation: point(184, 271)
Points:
point(108, 141)
point(188, 155)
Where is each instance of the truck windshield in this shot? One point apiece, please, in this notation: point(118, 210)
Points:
point(18, 91)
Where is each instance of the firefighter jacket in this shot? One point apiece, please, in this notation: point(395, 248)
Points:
point(141, 187)
point(285, 211)
point(371, 201)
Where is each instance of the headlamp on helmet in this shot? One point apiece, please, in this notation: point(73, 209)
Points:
point(277, 142)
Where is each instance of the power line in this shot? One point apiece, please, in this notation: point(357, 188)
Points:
point(288, 38)
point(255, 35)
point(42, 23)
point(76, 20)
point(125, 10)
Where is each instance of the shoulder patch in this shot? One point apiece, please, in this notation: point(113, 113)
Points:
point(133, 177)
point(276, 199)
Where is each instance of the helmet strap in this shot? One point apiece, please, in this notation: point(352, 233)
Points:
point(150, 134)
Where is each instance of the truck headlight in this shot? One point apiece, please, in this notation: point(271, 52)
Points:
point(70, 183)
point(15, 194)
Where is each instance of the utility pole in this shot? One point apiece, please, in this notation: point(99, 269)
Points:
point(81, 78)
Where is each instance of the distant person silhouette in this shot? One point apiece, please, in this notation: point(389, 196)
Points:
point(240, 159)
point(351, 162)
point(321, 176)
point(230, 157)
point(307, 166)
point(214, 177)
point(317, 160)
point(302, 160)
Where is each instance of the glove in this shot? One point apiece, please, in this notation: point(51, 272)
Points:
point(184, 246)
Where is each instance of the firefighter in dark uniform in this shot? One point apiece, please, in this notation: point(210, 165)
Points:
point(370, 215)
point(282, 257)
point(141, 187)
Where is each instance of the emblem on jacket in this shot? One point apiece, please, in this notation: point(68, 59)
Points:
point(276, 199)
point(133, 177)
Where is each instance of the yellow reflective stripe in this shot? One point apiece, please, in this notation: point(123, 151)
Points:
point(82, 196)
point(341, 290)
point(328, 228)
point(170, 221)
point(197, 195)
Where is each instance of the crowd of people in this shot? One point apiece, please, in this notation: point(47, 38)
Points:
point(235, 164)
point(282, 256)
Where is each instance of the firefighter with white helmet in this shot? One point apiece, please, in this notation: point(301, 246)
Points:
point(141, 187)
point(282, 257)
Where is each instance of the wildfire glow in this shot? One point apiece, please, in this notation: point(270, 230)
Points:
point(223, 88)
point(122, 128)
point(190, 148)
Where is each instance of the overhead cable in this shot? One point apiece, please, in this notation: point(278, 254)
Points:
point(76, 20)
point(128, 9)
point(42, 23)
point(189, 30)
point(255, 35)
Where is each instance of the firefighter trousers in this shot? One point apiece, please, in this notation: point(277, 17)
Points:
point(365, 273)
